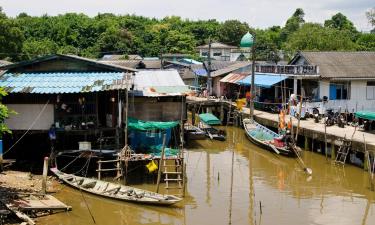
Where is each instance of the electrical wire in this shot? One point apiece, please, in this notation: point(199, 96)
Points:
point(31, 126)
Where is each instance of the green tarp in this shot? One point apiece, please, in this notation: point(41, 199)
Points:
point(135, 124)
point(209, 119)
point(365, 115)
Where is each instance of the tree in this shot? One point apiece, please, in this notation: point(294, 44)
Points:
point(231, 32)
point(114, 40)
point(366, 42)
point(4, 114)
point(371, 18)
point(36, 48)
point(177, 42)
point(340, 22)
point(313, 36)
point(292, 24)
point(11, 38)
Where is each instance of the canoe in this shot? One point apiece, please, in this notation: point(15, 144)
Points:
point(115, 191)
point(194, 132)
point(266, 138)
point(212, 133)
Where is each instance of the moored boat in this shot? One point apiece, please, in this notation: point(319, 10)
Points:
point(207, 121)
point(266, 138)
point(115, 191)
point(194, 132)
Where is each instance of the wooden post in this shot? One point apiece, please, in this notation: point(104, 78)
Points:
point(160, 163)
point(1, 155)
point(99, 170)
point(333, 150)
point(44, 178)
point(193, 115)
point(325, 137)
point(299, 116)
point(367, 161)
point(221, 112)
point(306, 143)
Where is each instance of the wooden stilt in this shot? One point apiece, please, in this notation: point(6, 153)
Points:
point(161, 161)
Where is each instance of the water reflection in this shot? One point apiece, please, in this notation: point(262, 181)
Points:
point(334, 195)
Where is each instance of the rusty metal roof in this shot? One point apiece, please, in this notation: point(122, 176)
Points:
point(233, 77)
point(60, 82)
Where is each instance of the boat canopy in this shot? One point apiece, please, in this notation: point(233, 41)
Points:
point(262, 80)
point(209, 119)
point(365, 115)
point(135, 124)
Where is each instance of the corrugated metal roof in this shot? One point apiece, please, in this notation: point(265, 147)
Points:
point(59, 82)
point(233, 77)
point(159, 83)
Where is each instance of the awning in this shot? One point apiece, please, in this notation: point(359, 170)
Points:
point(365, 115)
point(262, 80)
point(209, 119)
point(233, 77)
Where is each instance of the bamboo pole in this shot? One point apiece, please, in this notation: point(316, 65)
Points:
point(299, 116)
point(160, 164)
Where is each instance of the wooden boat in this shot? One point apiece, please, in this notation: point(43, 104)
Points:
point(115, 191)
point(266, 138)
point(211, 132)
point(194, 132)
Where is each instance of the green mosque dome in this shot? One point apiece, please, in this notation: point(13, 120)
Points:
point(247, 41)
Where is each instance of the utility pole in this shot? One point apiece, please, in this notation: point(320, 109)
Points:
point(252, 90)
point(209, 79)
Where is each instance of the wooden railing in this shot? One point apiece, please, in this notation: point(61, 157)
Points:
point(288, 69)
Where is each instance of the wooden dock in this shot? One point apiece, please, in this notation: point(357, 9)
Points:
point(308, 128)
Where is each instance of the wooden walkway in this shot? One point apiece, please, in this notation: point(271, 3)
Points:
point(308, 128)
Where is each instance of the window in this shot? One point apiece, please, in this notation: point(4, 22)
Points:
point(311, 89)
point(204, 53)
point(217, 53)
point(339, 90)
point(370, 90)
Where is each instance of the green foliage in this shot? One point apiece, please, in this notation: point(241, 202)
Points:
point(36, 48)
point(292, 24)
point(366, 42)
point(313, 36)
point(11, 38)
point(231, 32)
point(26, 37)
point(371, 18)
point(4, 114)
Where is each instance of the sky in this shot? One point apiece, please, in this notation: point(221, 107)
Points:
point(257, 13)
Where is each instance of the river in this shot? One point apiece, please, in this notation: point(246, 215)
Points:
point(333, 195)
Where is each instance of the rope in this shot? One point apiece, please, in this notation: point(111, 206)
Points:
point(31, 126)
point(77, 157)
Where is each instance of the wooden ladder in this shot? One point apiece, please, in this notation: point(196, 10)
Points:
point(173, 173)
point(343, 152)
point(117, 168)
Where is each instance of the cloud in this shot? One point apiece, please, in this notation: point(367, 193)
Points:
point(258, 13)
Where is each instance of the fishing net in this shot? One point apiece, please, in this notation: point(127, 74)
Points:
point(135, 124)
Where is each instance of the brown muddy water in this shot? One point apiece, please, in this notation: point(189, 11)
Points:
point(333, 195)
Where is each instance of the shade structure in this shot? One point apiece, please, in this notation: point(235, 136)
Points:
point(365, 115)
point(233, 78)
point(135, 124)
point(209, 119)
point(262, 80)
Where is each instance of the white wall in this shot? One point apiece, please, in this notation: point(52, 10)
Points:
point(358, 97)
point(27, 113)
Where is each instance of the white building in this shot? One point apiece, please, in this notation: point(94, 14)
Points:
point(222, 52)
point(346, 79)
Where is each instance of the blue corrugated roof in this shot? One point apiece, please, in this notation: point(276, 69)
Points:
point(262, 80)
point(60, 82)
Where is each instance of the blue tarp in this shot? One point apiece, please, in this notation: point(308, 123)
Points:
point(262, 80)
point(200, 72)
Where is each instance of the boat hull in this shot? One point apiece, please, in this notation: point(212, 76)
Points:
point(116, 191)
point(283, 151)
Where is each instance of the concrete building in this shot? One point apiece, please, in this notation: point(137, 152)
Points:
point(346, 79)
